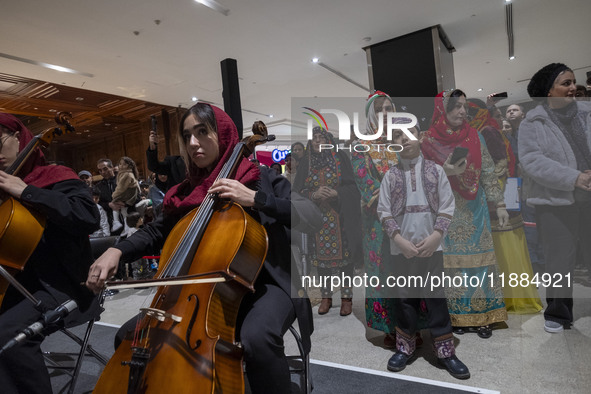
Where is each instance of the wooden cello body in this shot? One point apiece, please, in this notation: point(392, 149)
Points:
point(185, 342)
point(20, 232)
point(197, 354)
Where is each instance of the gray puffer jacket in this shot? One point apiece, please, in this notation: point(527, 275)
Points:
point(548, 159)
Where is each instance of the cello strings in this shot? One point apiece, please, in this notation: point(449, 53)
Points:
point(192, 234)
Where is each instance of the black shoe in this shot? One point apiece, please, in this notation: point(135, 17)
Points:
point(484, 332)
point(454, 366)
point(459, 331)
point(398, 362)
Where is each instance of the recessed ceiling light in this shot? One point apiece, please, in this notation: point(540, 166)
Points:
point(194, 98)
point(46, 65)
point(479, 89)
point(214, 5)
point(270, 116)
point(315, 60)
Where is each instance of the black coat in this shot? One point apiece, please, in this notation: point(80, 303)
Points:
point(172, 166)
point(106, 187)
point(61, 260)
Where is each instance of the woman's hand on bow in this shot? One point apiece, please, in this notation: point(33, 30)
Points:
point(102, 269)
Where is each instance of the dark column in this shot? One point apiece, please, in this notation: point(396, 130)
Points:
point(418, 64)
point(231, 92)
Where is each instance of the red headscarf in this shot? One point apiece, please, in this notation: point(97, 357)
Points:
point(440, 140)
point(482, 121)
point(189, 194)
point(34, 171)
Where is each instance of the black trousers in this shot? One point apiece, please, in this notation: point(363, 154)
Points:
point(265, 316)
point(22, 368)
point(563, 229)
point(407, 301)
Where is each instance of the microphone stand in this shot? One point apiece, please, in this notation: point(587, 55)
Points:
point(21, 289)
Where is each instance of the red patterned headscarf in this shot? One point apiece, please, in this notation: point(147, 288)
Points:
point(34, 171)
point(483, 120)
point(440, 141)
point(189, 194)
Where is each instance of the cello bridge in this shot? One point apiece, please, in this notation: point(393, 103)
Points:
point(160, 315)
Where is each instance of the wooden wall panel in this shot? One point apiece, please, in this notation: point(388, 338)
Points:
point(132, 143)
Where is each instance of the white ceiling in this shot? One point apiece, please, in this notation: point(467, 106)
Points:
point(273, 43)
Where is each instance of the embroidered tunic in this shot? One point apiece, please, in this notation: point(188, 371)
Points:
point(415, 200)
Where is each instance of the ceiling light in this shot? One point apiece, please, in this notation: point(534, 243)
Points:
point(479, 89)
point(315, 60)
point(46, 65)
point(270, 116)
point(194, 98)
point(509, 27)
point(214, 5)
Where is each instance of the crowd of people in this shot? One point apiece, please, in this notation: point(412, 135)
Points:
point(405, 223)
point(436, 207)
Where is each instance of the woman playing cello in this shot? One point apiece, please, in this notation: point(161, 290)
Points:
point(57, 265)
point(209, 137)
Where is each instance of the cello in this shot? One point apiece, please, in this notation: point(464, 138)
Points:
point(21, 228)
point(185, 341)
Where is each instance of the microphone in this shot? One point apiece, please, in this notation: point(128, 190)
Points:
point(48, 318)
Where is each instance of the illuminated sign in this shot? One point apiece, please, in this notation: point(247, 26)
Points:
point(279, 155)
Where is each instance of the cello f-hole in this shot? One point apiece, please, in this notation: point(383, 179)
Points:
point(191, 322)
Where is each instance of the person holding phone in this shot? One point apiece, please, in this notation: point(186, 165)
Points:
point(172, 166)
point(468, 245)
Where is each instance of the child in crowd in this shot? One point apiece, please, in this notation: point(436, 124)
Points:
point(134, 221)
point(126, 194)
point(104, 230)
point(415, 206)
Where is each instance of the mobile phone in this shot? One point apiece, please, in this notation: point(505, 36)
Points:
point(459, 153)
point(154, 123)
point(499, 96)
